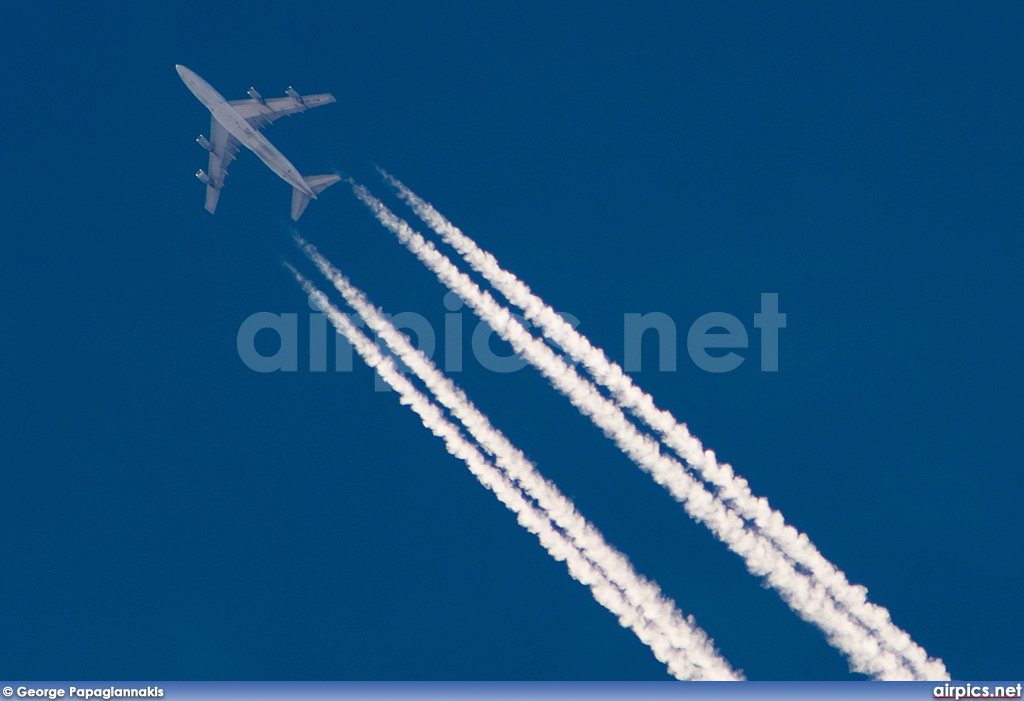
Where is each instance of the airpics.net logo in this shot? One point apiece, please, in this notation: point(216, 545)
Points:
point(714, 341)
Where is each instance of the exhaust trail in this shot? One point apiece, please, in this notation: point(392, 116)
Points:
point(731, 488)
point(803, 595)
point(638, 591)
point(638, 603)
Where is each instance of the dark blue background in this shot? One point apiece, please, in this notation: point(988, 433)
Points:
point(169, 513)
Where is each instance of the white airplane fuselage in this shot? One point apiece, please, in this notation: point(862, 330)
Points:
point(235, 124)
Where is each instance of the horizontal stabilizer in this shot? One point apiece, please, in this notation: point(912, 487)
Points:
point(316, 183)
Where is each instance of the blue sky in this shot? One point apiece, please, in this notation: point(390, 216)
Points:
point(169, 513)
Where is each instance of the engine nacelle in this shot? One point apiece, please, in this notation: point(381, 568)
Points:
point(204, 142)
point(251, 92)
point(201, 174)
point(290, 92)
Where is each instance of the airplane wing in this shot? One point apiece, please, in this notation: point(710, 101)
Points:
point(259, 112)
point(223, 148)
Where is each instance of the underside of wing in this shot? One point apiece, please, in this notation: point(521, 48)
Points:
point(223, 148)
point(259, 112)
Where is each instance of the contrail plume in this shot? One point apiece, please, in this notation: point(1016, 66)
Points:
point(638, 603)
point(731, 488)
point(805, 596)
point(639, 592)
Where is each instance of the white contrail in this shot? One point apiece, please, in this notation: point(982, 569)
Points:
point(803, 595)
point(638, 603)
point(639, 592)
point(733, 489)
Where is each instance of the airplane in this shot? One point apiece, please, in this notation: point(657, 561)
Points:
point(237, 123)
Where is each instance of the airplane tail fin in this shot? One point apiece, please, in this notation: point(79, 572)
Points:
point(317, 183)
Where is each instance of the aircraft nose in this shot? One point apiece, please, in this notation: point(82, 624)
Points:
point(181, 69)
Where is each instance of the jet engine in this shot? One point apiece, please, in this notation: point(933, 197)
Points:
point(204, 142)
point(290, 92)
point(201, 174)
point(251, 92)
